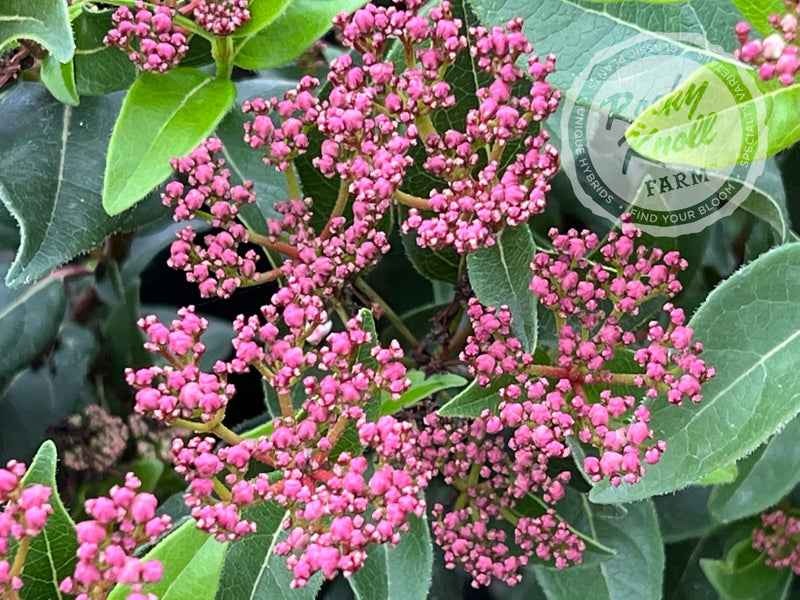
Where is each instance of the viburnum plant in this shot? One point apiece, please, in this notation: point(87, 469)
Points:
point(440, 375)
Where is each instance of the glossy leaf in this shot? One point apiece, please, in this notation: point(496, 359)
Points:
point(421, 387)
point(635, 571)
point(474, 399)
point(744, 575)
point(192, 561)
point(163, 116)
point(39, 396)
point(301, 24)
point(51, 555)
point(29, 320)
point(576, 31)
point(399, 573)
point(252, 570)
point(683, 514)
point(748, 328)
point(45, 21)
point(751, 119)
point(262, 13)
point(501, 275)
point(439, 265)
point(757, 13)
point(99, 69)
point(58, 210)
point(59, 78)
point(765, 477)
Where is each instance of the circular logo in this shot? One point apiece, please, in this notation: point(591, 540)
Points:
point(695, 127)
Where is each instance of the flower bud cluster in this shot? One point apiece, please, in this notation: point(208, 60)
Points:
point(543, 404)
point(336, 507)
point(150, 39)
point(779, 538)
point(477, 205)
point(215, 265)
point(221, 18)
point(179, 390)
point(119, 524)
point(93, 440)
point(472, 456)
point(24, 510)
point(777, 54)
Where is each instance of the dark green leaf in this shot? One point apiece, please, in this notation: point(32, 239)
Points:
point(302, 23)
point(41, 396)
point(501, 275)
point(163, 116)
point(749, 331)
point(765, 477)
point(59, 78)
point(192, 562)
point(29, 320)
point(51, 555)
point(421, 388)
point(683, 514)
point(45, 21)
point(744, 575)
point(58, 209)
point(399, 573)
point(474, 399)
point(439, 265)
point(252, 570)
point(635, 571)
point(99, 69)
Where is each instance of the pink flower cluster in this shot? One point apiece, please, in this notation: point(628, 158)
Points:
point(151, 39)
point(545, 404)
point(777, 54)
point(216, 265)
point(472, 456)
point(221, 18)
point(179, 390)
point(25, 509)
point(779, 538)
point(337, 507)
point(119, 524)
point(477, 205)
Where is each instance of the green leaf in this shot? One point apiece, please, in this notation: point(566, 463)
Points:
point(439, 265)
point(501, 275)
point(301, 24)
point(192, 562)
point(51, 555)
point(635, 571)
point(59, 78)
point(421, 388)
point(746, 119)
point(575, 31)
point(758, 13)
point(252, 570)
point(163, 116)
point(765, 477)
point(750, 335)
point(474, 399)
point(744, 575)
point(40, 396)
point(399, 573)
point(29, 320)
point(683, 515)
point(262, 13)
point(44, 21)
point(99, 69)
point(724, 474)
point(58, 210)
